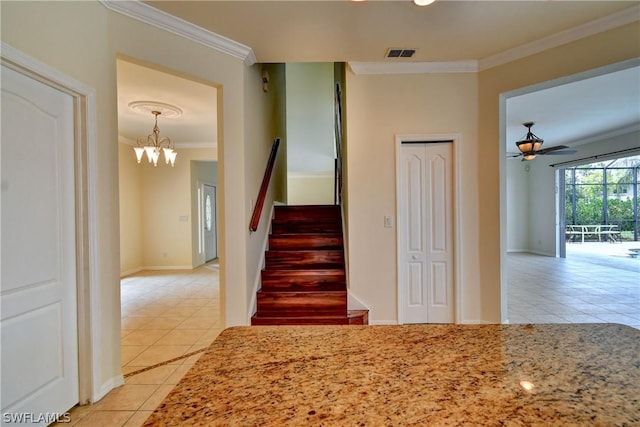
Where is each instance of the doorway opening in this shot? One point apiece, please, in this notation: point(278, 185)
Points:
point(533, 202)
point(169, 293)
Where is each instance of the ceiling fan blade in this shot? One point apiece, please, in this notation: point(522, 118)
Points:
point(514, 155)
point(548, 150)
point(564, 152)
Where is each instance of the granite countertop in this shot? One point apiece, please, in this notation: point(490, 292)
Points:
point(436, 375)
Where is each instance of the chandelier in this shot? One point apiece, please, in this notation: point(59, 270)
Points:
point(153, 145)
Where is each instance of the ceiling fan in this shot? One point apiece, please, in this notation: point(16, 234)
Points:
point(530, 146)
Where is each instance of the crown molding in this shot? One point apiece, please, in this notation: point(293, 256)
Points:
point(470, 66)
point(615, 20)
point(143, 12)
point(618, 19)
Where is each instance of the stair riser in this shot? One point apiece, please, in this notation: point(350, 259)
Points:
point(306, 212)
point(304, 242)
point(264, 321)
point(304, 259)
point(301, 304)
point(300, 227)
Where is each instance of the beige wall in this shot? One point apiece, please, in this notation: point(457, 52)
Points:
point(82, 39)
point(159, 205)
point(130, 180)
point(404, 104)
point(166, 213)
point(592, 52)
point(310, 189)
point(261, 128)
point(466, 104)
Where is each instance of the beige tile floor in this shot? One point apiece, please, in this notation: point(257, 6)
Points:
point(165, 315)
point(596, 283)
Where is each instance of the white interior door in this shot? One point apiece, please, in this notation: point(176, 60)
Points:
point(425, 243)
point(38, 323)
point(210, 239)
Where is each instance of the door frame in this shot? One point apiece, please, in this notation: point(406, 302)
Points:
point(90, 385)
point(431, 138)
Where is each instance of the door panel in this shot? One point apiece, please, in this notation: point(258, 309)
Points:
point(416, 279)
point(39, 364)
point(425, 259)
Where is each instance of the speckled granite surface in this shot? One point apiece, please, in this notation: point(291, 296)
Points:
point(427, 375)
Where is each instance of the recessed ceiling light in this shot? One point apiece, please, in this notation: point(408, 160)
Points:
point(423, 2)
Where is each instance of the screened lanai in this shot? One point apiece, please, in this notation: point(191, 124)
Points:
point(601, 194)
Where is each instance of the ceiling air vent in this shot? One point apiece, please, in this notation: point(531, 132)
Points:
point(400, 53)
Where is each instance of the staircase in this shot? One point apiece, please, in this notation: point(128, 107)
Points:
point(304, 280)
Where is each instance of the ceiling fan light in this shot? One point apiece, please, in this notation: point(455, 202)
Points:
point(529, 156)
point(531, 143)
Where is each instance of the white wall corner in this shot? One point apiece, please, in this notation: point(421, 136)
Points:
point(150, 15)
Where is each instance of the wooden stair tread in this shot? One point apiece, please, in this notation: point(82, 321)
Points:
point(304, 280)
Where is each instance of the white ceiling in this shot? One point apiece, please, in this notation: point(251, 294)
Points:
point(196, 127)
point(448, 30)
point(345, 31)
point(579, 112)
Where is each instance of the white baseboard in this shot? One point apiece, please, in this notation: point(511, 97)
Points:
point(130, 272)
point(542, 253)
point(354, 303)
point(382, 322)
point(168, 267)
point(106, 387)
point(155, 268)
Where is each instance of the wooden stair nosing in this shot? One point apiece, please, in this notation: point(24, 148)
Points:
point(308, 320)
point(304, 227)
